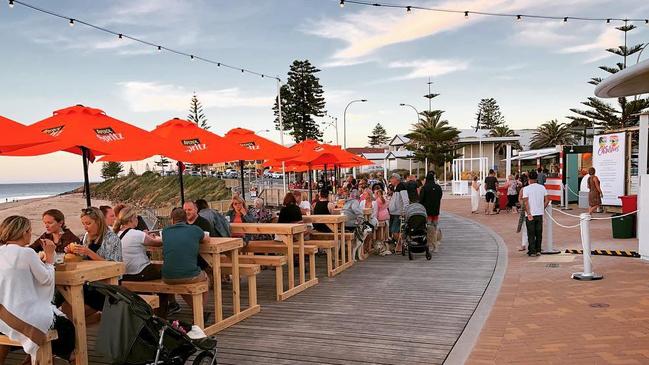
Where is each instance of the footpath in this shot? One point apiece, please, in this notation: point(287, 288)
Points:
point(542, 316)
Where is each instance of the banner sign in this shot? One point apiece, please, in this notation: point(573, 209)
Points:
point(609, 163)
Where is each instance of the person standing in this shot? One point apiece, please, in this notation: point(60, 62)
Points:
point(475, 195)
point(536, 199)
point(522, 227)
point(542, 176)
point(595, 193)
point(491, 186)
point(513, 186)
point(431, 199)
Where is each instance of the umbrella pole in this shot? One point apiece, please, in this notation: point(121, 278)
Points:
point(324, 178)
point(310, 181)
point(86, 181)
point(243, 181)
point(180, 180)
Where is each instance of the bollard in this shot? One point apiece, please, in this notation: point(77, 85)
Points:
point(548, 233)
point(588, 274)
point(564, 197)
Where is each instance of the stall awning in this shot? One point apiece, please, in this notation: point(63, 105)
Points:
point(531, 157)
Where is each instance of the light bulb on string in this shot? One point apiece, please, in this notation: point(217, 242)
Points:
point(71, 22)
point(159, 48)
point(646, 22)
point(191, 57)
point(565, 20)
point(11, 3)
point(466, 15)
point(519, 18)
point(608, 21)
point(408, 9)
point(342, 3)
point(120, 36)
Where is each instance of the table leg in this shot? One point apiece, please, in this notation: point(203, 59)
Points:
point(334, 228)
point(218, 297)
point(301, 258)
point(343, 244)
point(289, 253)
point(74, 296)
point(236, 292)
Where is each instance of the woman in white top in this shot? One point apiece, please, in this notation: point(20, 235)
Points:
point(475, 195)
point(134, 242)
point(27, 278)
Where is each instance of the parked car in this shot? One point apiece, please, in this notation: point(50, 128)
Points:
point(277, 175)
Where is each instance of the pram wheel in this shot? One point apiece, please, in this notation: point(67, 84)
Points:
point(204, 358)
point(409, 255)
point(428, 255)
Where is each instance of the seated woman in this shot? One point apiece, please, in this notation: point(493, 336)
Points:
point(26, 279)
point(261, 214)
point(55, 231)
point(323, 206)
point(290, 213)
point(99, 244)
point(134, 242)
point(239, 214)
point(109, 213)
point(353, 211)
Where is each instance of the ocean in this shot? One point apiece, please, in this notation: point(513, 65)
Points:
point(12, 192)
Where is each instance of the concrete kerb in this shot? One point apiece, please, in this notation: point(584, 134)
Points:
point(462, 348)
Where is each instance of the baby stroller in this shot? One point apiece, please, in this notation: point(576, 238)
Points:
point(132, 334)
point(413, 231)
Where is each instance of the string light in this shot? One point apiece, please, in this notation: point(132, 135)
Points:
point(495, 14)
point(73, 21)
point(466, 15)
point(408, 9)
point(565, 20)
point(518, 18)
point(608, 21)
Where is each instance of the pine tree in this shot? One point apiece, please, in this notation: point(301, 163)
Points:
point(606, 115)
point(196, 113)
point(147, 167)
point(131, 171)
point(110, 170)
point(162, 163)
point(302, 100)
point(489, 114)
point(379, 136)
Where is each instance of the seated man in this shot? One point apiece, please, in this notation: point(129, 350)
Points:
point(180, 243)
point(353, 211)
point(216, 219)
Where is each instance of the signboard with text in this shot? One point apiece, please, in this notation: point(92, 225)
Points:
point(609, 163)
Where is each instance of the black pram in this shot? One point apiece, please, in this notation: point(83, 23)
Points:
point(131, 334)
point(413, 231)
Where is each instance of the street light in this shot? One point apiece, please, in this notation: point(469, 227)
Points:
point(415, 109)
point(262, 130)
point(334, 124)
point(345, 120)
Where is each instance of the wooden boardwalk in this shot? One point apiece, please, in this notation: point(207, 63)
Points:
point(386, 310)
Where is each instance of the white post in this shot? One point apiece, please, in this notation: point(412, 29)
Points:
point(385, 169)
point(410, 165)
point(354, 172)
point(445, 165)
point(508, 160)
point(587, 274)
point(643, 188)
point(426, 162)
point(548, 233)
point(493, 156)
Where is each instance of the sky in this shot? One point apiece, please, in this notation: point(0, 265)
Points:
point(536, 69)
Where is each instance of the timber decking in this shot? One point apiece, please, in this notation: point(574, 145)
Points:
point(385, 310)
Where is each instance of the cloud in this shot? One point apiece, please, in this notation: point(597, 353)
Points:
point(609, 38)
point(432, 67)
point(154, 97)
point(543, 33)
point(369, 30)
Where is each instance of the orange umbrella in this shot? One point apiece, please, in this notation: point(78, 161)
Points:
point(89, 132)
point(259, 148)
point(14, 135)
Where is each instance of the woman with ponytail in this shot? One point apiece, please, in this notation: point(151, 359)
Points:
point(134, 242)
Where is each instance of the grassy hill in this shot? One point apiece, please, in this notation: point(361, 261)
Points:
point(153, 190)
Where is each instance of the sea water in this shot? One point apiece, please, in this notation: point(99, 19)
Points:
point(13, 192)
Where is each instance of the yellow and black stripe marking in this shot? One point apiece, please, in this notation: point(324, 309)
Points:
point(622, 253)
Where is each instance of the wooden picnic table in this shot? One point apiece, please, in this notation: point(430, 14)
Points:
point(69, 281)
point(343, 251)
point(287, 231)
point(211, 253)
point(367, 212)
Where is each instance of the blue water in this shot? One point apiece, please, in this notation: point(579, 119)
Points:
point(11, 192)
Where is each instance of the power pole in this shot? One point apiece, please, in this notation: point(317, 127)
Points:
point(430, 96)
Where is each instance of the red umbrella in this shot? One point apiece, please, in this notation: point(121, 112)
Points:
point(14, 135)
point(259, 147)
point(89, 132)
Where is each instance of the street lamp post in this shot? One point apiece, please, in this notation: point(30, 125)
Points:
point(413, 108)
point(345, 120)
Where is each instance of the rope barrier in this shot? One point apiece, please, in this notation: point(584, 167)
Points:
point(617, 216)
point(562, 212)
point(561, 225)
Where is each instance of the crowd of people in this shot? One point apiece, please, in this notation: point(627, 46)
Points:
point(119, 234)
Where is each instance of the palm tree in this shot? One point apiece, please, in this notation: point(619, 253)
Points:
point(504, 131)
point(433, 138)
point(552, 133)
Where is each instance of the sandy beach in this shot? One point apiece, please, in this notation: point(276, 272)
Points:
point(70, 205)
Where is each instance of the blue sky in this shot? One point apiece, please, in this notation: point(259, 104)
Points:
point(536, 70)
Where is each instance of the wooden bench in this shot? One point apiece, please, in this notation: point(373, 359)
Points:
point(196, 291)
point(152, 300)
point(278, 262)
point(346, 260)
point(250, 271)
point(44, 354)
